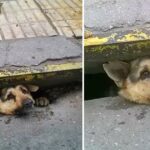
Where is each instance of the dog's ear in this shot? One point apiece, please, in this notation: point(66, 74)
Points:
point(117, 71)
point(33, 88)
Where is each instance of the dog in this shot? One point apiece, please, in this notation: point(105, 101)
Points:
point(15, 100)
point(132, 79)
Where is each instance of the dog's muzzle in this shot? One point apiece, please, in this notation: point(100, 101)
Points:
point(28, 103)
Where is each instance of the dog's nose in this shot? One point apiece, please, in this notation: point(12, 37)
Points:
point(28, 103)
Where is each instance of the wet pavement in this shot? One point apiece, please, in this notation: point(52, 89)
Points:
point(56, 127)
point(112, 123)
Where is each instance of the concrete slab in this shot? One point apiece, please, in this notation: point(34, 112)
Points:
point(57, 127)
point(105, 15)
point(34, 51)
point(112, 123)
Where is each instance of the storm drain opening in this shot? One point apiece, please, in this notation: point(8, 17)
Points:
point(55, 92)
point(99, 85)
point(47, 96)
point(36, 90)
point(60, 121)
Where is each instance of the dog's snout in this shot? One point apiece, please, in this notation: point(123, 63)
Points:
point(28, 103)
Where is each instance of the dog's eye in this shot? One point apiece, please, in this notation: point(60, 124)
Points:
point(24, 91)
point(144, 75)
point(10, 96)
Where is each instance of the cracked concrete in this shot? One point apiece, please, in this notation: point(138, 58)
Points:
point(113, 123)
point(34, 51)
point(106, 15)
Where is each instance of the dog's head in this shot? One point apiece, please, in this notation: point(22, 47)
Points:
point(133, 79)
point(16, 99)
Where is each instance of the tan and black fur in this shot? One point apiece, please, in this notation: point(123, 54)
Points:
point(133, 79)
point(17, 98)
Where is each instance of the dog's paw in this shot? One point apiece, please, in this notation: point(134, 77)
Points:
point(42, 102)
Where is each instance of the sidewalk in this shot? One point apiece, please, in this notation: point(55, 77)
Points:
point(57, 127)
point(39, 39)
point(115, 124)
point(34, 18)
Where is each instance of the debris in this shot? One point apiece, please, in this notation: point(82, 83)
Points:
point(7, 121)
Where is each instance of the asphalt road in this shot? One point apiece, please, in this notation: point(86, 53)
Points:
point(57, 127)
point(114, 124)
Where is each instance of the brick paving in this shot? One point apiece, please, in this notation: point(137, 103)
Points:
point(35, 18)
point(66, 15)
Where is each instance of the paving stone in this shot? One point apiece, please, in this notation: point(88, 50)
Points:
point(64, 11)
point(18, 15)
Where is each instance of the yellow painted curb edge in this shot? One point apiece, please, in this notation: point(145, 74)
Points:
point(47, 69)
point(135, 35)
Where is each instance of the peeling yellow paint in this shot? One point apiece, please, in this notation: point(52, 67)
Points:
point(95, 41)
point(134, 37)
point(29, 73)
point(61, 67)
point(99, 40)
point(113, 36)
point(101, 48)
point(29, 78)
